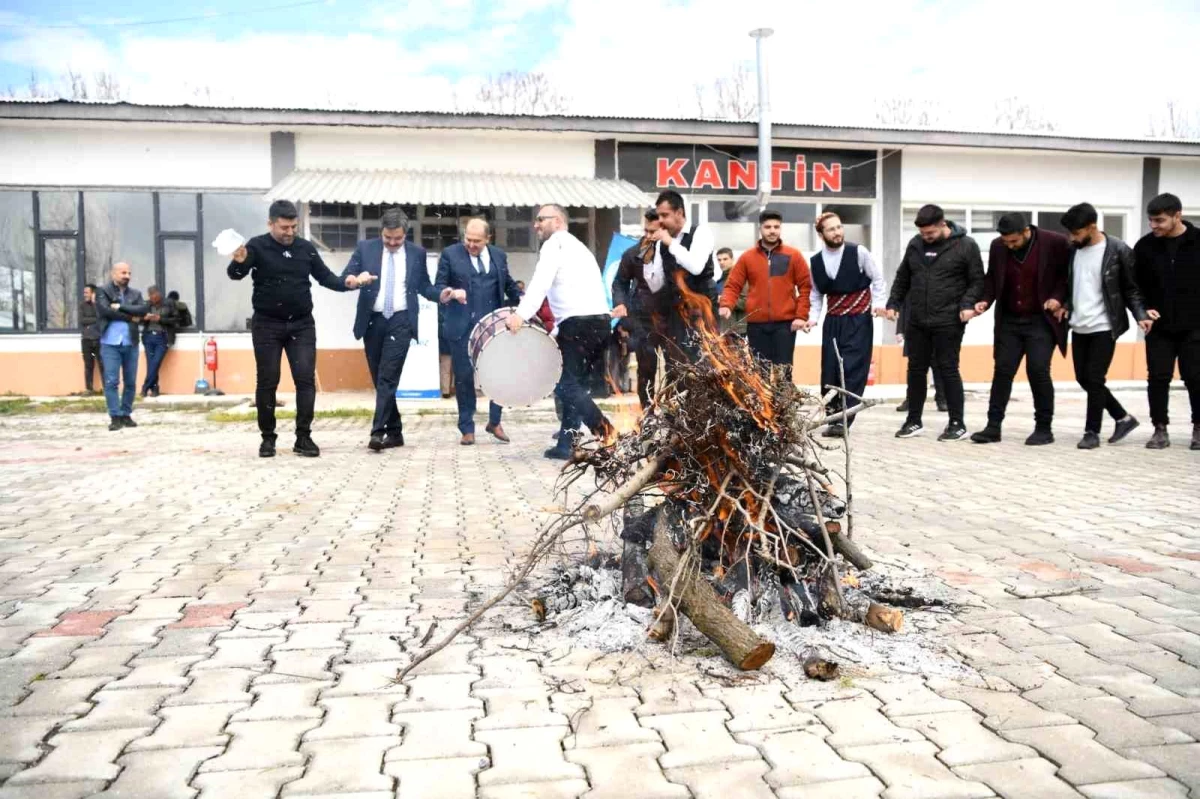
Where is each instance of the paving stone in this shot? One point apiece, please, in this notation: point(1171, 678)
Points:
point(182, 642)
point(262, 745)
point(454, 659)
point(163, 774)
point(79, 756)
point(437, 734)
point(240, 653)
point(1136, 789)
point(355, 716)
point(344, 766)
point(1184, 644)
point(517, 707)
point(85, 623)
point(63, 790)
point(450, 778)
point(694, 739)
point(1115, 726)
point(527, 755)
point(1081, 760)
point(156, 673)
point(190, 725)
point(1018, 779)
point(1181, 761)
point(912, 770)
point(371, 647)
point(859, 722)
point(257, 783)
point(306, 664)
point(624, 770)
point(963, 738)
point(1056, 689)
point(670, 693)
point(911, 698)
point(373, 678)
point(283, 701)
point(801, 757)
point(760, 707)
point(106, 662)
point(1004, 711)
point(51, 697)
point(129, 632)
point(132, 708)
point(723, 780)
point(859, 788)
point(1100, 639)
point(608, 721)
point(1167, 670)
point(568, 789)
point(1143, 696)
point(21, 738)
point(215, 686)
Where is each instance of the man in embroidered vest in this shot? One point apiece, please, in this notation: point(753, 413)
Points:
point(849, 284)
point(683, 267)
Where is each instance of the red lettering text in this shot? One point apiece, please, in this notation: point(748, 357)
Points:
point(777, 170)
point(801, 174)
point(707, 176)
point(670, 173)
point(742, 175)
point(827, 177)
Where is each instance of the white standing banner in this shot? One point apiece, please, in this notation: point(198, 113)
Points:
point(420, 378)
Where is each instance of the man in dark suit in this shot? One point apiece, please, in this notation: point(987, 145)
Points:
point(391, 273)
point(473, 280)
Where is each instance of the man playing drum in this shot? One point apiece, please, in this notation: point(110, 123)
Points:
point(473, 281)
point(569, 277)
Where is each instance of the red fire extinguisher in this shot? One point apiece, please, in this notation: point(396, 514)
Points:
point(210, 363)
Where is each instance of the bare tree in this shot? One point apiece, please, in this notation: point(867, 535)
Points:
point(1013, 114)
point(1176, 121)
point(733, 96)
point(907, 112)
point(72, 85)
point(518, 93)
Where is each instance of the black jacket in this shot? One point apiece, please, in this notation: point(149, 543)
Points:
point(1120, 289)
point(133, 306)
point(89, 328)
point(951, 282)
point(281, 276)
point(1170, 286)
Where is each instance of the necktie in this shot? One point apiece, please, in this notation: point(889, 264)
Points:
point(389, 287)
point(478, 264)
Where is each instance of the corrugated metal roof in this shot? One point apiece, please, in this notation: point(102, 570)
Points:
point(375, 187)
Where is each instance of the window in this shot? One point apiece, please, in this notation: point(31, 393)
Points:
point(176, 212)
point(1048, 220)
point(118, 226)
point(730, 211)
point(60, 264)
point(18, 285)
point(58, 210)
point(341, 226)
point(1114, 225)
point(226, 305)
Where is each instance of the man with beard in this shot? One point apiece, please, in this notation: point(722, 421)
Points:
point(634, 305)
point(1168, 274)
point(119, 310)
point(941, 277)
point(1100, 286)
point(737, 322)
point(844, 273)
point(778, 298)
point(568, 276)
point(1027, 269)
point(682, 254)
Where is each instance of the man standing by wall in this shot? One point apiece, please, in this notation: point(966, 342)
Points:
point(635, 305)
point(780, 286)
point(1027, 271)
point(157, 326)
point(1168, 274)
point(568, 276)
point(392, 273)
point(941, 276)
point(119, 309)
point(848, 276)
point(89, 337)
point(282, 264)
point(472, 281)
point(1100, 286)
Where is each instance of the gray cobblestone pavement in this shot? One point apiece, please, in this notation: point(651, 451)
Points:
point(179, 618)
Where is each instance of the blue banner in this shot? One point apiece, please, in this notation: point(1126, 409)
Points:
point(616, 249)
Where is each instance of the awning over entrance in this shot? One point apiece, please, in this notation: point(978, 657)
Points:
point(371, 187)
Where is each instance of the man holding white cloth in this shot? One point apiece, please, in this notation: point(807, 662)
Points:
point(568, 275)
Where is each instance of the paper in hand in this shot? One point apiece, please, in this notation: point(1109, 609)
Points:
point(227, 241)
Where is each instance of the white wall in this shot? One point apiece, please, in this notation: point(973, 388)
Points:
point(1182, 178)
point(460, 151)
point(159, 156)
point(950, 177)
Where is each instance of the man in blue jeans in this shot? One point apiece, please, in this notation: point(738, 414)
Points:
point(119, 309)
point(157, 326)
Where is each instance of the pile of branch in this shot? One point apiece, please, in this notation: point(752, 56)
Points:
point(725, 502)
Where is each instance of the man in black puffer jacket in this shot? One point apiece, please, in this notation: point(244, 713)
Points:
point(941, 277)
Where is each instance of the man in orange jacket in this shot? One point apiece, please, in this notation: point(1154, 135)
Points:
point(778, 301)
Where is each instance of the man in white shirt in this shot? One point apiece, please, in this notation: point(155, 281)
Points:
point(846, 274)
point(683, 255)
point(568, 275)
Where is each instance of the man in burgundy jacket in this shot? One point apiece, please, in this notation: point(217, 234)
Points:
point(1027, 268)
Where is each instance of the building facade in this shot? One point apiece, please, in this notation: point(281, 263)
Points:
point(84, 185)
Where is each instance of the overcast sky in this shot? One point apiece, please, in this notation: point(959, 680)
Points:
point(1103, 67)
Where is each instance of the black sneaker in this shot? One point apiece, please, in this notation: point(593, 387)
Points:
point(988, 435)
point(127, 421)
point(1195, 437)
point(1040, 437)
point(1089, 441)
point(558, 454)
point(393, 440)
point(115, 423)
point(1160, 439)
point(955, 431)
point(376, 443)
point(902, 407)
point(307, 447)
point(941, 405)
point(267, 448)
point(909, 430)
point(834, 431)
point(1124, 427)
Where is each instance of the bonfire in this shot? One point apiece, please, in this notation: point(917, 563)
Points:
point(721, 502)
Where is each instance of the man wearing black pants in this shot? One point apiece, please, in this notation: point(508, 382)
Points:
point(941, 276)
point(1027, 269)
point(1100, 286)
point(281, 264)
point(636, 306)
point(89, 337)
point(568, 276)
point(1168, 274)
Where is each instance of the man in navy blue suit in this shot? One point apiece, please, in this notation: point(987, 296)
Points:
point(391, 273)
point(473, 279)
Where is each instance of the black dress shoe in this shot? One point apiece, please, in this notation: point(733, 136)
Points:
point(902, 407)
point(1124, 427)
point(115, 423)
point(558, 454)
point(307, 447)
point(127, 421)
point(988, 435)
point(393, 440)
point(834, 431)
point(1089, 441)
point(267, 448)
point(941, 405)
point(1040, 437)
point(375, 444)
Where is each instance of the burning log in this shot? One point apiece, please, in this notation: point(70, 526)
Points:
point(696, 600)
